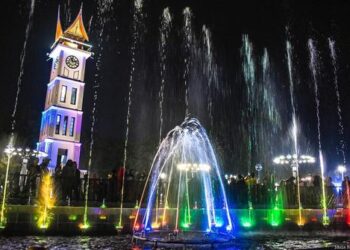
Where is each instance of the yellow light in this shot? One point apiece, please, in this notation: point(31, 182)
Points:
point(46, 202)
point(84, 226)
point(155, 225)
point(103, 217)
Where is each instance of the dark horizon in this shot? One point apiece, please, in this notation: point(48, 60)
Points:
point(264, 21)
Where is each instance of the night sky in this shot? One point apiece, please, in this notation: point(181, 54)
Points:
point(264, 21)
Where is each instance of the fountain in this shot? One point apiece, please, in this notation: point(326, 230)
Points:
point(188, 42)
point(165, 28)
point(192, 207)
point(137, 19)
point(314, 70)
point(333, 55)
point(104, 7)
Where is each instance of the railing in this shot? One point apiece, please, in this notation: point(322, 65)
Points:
point(262, 196)
point(23, 189)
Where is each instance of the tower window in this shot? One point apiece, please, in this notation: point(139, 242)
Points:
point(65, 123)
point(63, 93)
point(58, 124)
point(73, 99)
point(71, 126)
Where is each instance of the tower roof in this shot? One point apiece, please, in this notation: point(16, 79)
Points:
point(77, 29)
point(59, 31)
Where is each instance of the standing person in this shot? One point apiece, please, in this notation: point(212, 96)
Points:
point(58, 181)
point(33, 171)
point(44, 166)
point(68, 173)
point(76, 185)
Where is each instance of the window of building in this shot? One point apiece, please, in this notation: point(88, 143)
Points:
point(63, 93)
point(73, 99)
point(65, 123)
point(71, 126)
point(76, 75)
point(58, 124)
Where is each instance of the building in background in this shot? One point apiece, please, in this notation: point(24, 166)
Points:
point(62, 118)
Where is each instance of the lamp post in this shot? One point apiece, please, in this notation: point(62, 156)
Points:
point(258, 168)
point(294, 161)
point(342, 170)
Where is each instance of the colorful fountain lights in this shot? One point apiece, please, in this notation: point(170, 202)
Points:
point(185, 173)
point(46, 202)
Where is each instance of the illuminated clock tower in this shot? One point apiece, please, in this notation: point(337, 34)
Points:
point(62, 117)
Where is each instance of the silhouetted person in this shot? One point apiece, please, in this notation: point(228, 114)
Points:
point(242, 191)
point(58, 180)
point(346, 192)
point(44, 166)
point(76, 185)
point(68, 176)
point(33, 171)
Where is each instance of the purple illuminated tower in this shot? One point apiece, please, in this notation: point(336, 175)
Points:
point(62, 117)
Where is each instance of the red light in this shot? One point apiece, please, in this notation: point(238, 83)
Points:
point(137, 227)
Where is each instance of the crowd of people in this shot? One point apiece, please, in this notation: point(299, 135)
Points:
point(70, 185)
point(244, 190)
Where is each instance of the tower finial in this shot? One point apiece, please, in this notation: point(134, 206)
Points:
point(77, 30)
point(59, 31)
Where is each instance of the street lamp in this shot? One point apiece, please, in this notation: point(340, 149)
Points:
point(294, 161)
point(342, 170)
point(258, 168)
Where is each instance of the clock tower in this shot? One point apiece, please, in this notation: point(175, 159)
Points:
point(62, 118)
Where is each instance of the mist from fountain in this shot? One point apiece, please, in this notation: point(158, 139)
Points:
point(165, 28)
point(249, 73)
point(103, 8)
point(210, 71)
point(248, 65)
point(186, 171)
point(314, 67)
point(67, 10)
point(333, 54)
point(188, 43)
point(289, 50)
point(11, 142)
point(137, 20)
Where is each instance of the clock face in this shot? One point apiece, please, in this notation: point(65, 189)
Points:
point(72, 62)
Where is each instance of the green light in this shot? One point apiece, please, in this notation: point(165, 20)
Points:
point(274, 217)
point(325, 220)
point(248, 220)
point(72, 217)
point(247, 224)
point(185, 225)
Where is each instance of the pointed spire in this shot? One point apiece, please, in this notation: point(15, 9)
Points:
point(77, 30)
point(59, 31)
